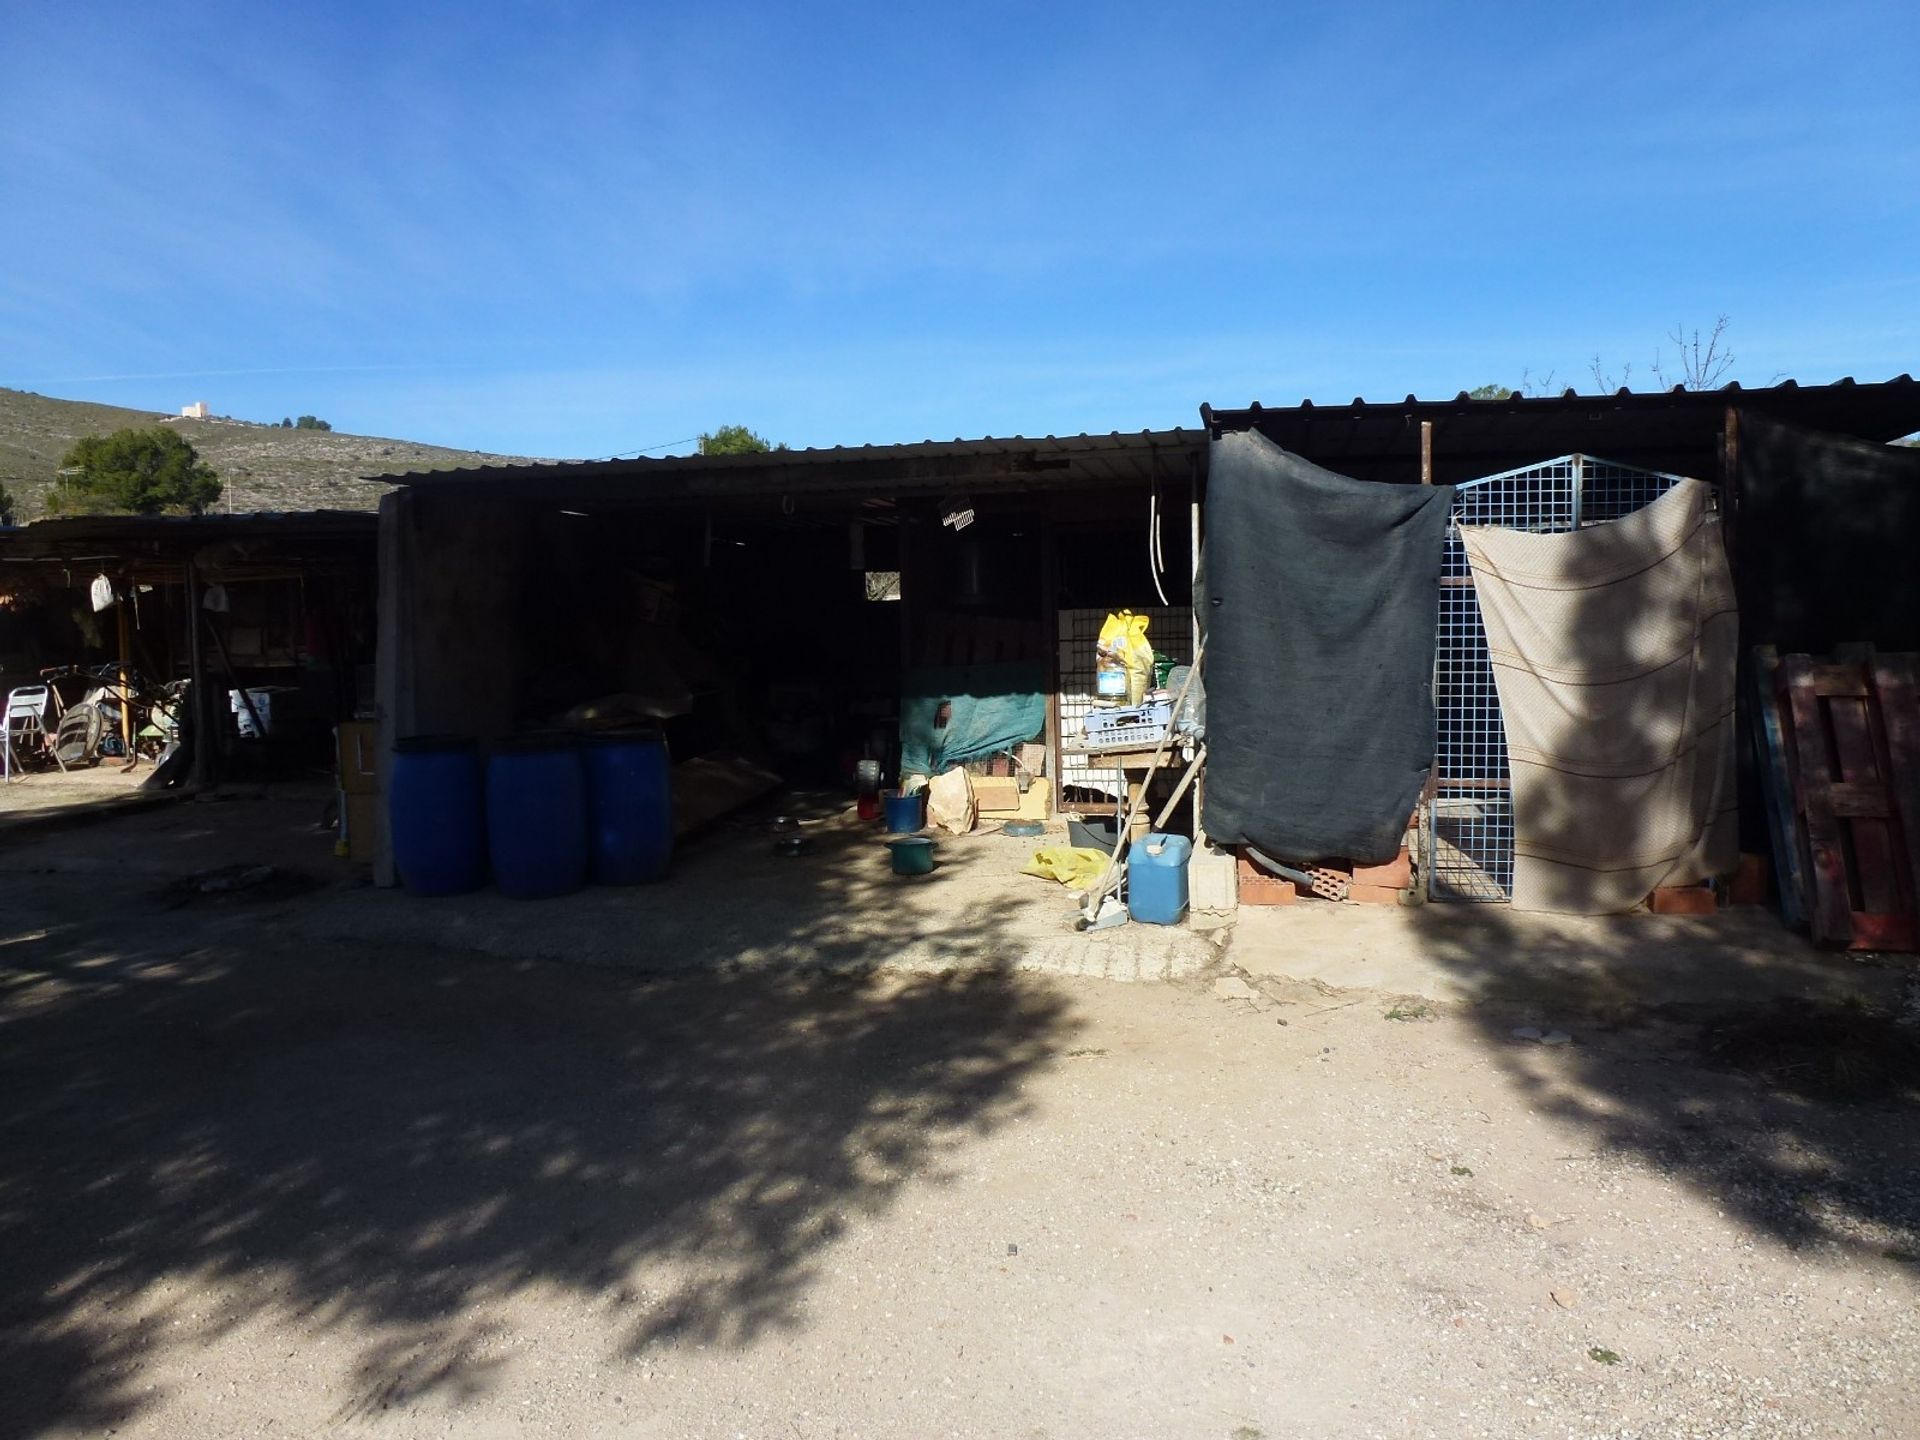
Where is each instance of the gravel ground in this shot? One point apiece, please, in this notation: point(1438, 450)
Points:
point(256, 1184)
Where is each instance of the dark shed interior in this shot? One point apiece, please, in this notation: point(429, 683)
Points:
point(779, 604)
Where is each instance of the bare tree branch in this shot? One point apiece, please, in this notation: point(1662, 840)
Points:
point(1604, 383)
point(1701, 366)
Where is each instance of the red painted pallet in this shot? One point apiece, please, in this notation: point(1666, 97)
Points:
point(1853, 744)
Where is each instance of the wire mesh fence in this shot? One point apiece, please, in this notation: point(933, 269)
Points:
point(1470, 824)
point(1169, 631)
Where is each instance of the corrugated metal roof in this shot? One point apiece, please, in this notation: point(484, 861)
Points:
point(181, 534)
point(1083, 458)
point(1675, 430)
point(1841, 392)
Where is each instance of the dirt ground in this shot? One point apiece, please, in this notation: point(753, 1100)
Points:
point(266, 1168)
point(41, 790)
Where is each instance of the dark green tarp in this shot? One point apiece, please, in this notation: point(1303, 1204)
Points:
point(992, 708)
point(1322, 593)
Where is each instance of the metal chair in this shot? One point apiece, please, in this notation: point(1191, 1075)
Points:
point(26, 721)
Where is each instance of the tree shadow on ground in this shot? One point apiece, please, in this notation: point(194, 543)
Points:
point(384, 1143)
point(1738, 1061)
point(1789, 1096)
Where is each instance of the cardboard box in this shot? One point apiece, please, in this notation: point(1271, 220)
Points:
point(1036, 804)
point(996, 792)
point(359, 815)
point(355, 759)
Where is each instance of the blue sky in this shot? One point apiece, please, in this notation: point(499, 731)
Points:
point(580, 230)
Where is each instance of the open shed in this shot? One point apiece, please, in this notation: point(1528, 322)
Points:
point(788, 600)
point(782, 602)
point(269, 603)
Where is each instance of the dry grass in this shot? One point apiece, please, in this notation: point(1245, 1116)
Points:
point(261, 466)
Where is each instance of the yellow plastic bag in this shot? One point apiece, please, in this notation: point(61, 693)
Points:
point(1075, 867)
point(1123, 661)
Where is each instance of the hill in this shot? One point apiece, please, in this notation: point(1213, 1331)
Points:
point(263, 467)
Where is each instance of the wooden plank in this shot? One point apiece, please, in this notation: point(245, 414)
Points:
point(1885, 932)
point(1831, 910)
point(1776, 786)
point(1855, 801)
point(1832, 681)
point(1896, 682)
point(1770, 735)
point(1854, 798)
point(1896, 685)
point(1870, 845)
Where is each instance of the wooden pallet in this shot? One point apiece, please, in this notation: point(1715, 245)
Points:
point(1776, 786)
point(1852, 736)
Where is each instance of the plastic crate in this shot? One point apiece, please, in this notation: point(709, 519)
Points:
point(1137, 725)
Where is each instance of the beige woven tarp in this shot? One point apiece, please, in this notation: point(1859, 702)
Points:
point(1613, 650)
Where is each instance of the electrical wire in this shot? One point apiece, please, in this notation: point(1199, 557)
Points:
point(645, 450)
point(1153, 544)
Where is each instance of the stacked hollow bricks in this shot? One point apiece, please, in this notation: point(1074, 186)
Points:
point(1369, 885)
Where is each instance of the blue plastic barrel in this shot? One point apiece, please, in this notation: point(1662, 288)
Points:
point(438, 816)
point(537, 816)
point(1157, 878)
point(629, 806)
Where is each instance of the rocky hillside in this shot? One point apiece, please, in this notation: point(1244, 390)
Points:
point(262, 467)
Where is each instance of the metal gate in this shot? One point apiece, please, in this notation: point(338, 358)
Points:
point(1470, 812)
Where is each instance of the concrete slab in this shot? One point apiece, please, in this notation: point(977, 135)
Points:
point(732, 901)
point(1489, 953)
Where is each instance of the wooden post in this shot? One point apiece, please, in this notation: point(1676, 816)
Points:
point(909, 591)
point(1050, 637)
point(1426, 452)
point(199, 702)
point(126, 678)
point(1730, 486)
point(392, 670)
point(1195, 599)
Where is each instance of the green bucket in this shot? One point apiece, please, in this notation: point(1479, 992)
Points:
point(912, 855)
